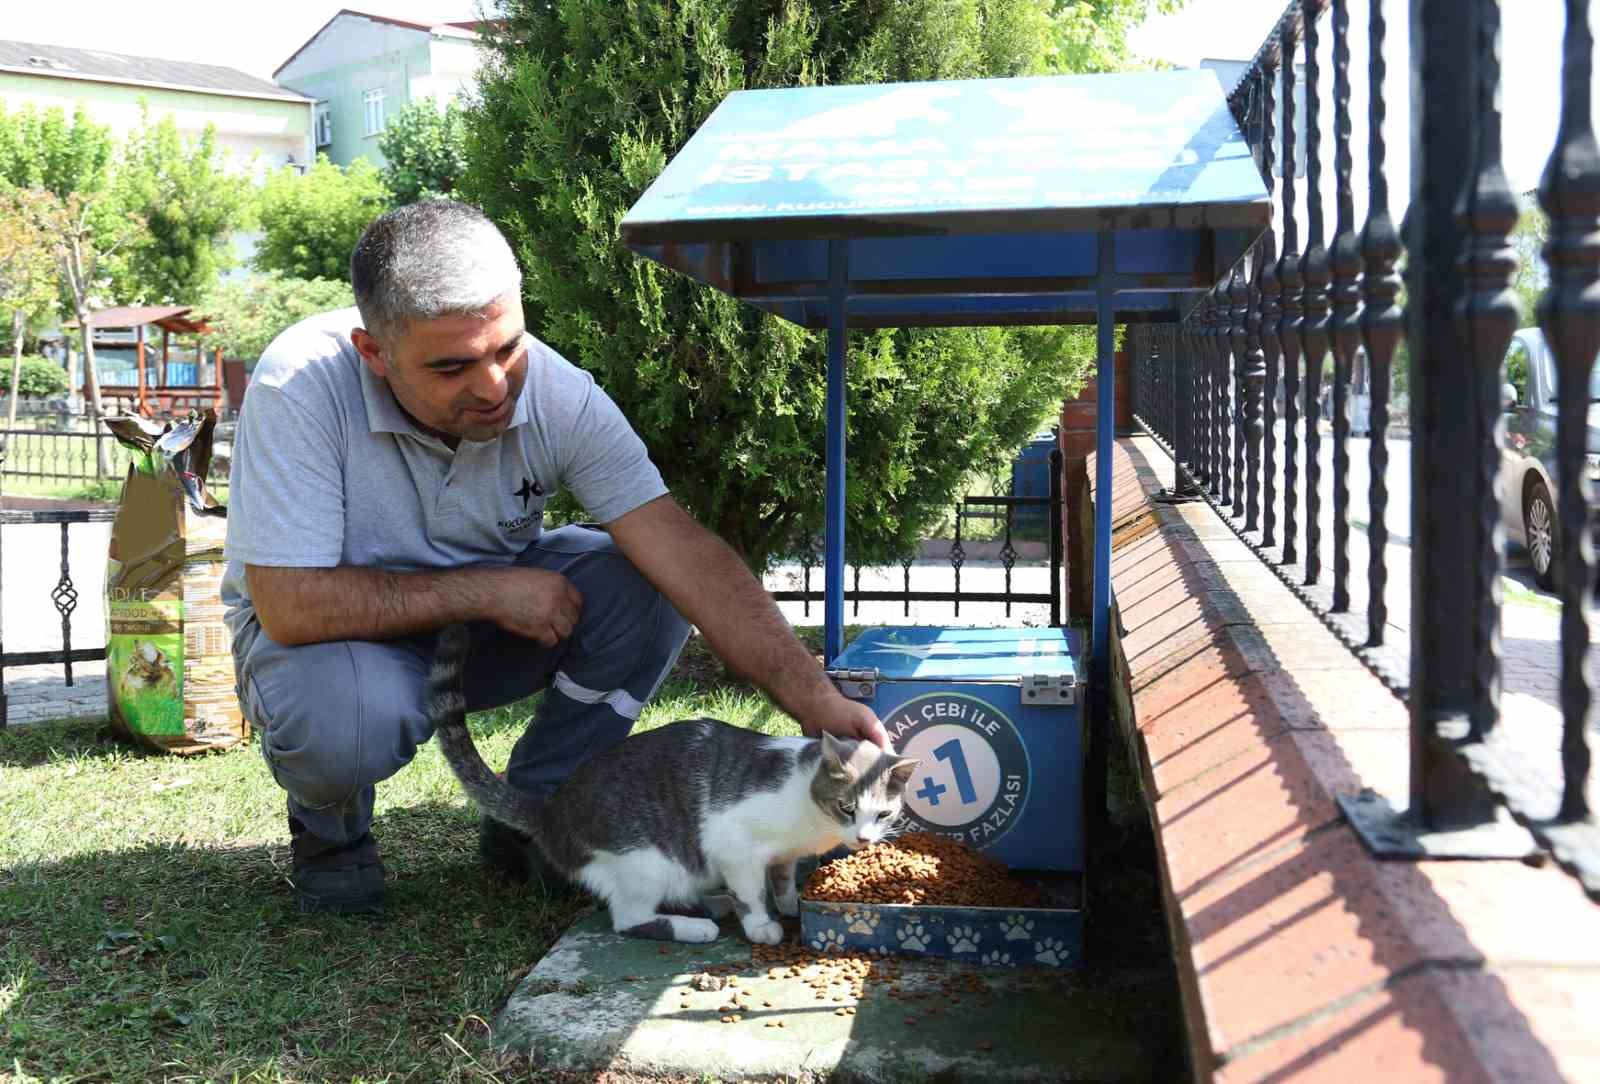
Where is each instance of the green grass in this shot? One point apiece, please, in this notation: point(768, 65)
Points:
point(147, 929)
point(1515, 594)
point(103, 490)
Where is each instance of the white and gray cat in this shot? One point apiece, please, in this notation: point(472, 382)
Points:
point(658, 820)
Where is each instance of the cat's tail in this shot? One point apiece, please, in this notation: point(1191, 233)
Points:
point(447, 711)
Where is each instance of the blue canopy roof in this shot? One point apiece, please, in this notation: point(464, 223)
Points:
point(967, 202)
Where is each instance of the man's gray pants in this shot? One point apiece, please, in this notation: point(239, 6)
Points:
point(336, 718)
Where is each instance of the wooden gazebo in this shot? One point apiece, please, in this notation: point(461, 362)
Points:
point(161, 397)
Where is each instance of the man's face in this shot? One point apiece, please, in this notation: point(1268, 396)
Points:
point(460, 376)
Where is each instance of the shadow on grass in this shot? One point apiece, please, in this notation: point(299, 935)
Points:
point(28, 745)
point(164, 960)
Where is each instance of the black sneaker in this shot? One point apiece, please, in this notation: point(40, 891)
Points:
point(512, 854)
point(335, 878)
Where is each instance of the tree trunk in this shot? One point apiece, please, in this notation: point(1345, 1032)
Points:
point(91, 375)
point(17, 327)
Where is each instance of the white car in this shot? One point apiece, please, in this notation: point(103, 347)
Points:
point(1527, 462)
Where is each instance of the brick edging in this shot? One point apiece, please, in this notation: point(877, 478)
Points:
point(1298, 954)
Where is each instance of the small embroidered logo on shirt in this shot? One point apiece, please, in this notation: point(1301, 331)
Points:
point(530, 488)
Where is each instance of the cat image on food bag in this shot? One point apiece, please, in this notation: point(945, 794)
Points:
point(148, 668)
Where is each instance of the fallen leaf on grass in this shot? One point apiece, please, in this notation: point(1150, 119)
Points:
point(157, 788)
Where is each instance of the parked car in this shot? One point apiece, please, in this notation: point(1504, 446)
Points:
point(1528, 463)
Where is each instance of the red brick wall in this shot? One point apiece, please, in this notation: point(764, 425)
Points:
point(1077, 444)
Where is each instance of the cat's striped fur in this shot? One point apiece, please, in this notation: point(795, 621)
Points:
point(663, 817)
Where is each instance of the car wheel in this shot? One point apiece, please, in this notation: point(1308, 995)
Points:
point(1539, 526)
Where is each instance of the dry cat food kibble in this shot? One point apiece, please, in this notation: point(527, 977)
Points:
point(920, 868)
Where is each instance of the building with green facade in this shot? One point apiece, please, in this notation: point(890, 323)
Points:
point(259, 124)
point(361, 69)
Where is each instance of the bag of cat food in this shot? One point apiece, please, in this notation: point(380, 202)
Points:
point(168, 661)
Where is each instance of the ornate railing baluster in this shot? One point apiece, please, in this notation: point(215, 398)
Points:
point(808, 561)
point(958, 557)
point(1486, 317)
point(1289, 325)
point(1271, 313)
point(1344, 325)
point(1570, 193)
point(1443, 424)
point(1380, 327)
point(1188, 412)
point(1207, 362)
point(1202, 395)
point(1239, 345)
point(1008, 553)
point(1169, 374)
point(1215, 318)
point(1318, 276)
point(65, 598)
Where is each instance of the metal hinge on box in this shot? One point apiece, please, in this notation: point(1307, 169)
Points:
point(1049, 688)
point(856, 684)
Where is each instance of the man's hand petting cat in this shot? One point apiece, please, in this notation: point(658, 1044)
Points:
point(535, 603)
point(844, 718)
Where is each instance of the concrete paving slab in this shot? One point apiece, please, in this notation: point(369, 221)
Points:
point(600, 1001)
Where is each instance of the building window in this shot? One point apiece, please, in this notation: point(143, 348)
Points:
point(324, 126)
point(374, 104)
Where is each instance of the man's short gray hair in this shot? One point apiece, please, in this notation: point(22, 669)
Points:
point(426, 260)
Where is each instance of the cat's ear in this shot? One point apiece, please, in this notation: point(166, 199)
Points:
point(835, 756)
point(900, 773)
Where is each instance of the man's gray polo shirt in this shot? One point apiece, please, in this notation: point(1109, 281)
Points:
point(328, 470)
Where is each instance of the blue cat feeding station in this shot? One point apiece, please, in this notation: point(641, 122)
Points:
point(1048, 200)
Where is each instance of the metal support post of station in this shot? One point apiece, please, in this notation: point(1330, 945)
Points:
point(833, 528)
point(1098, 719)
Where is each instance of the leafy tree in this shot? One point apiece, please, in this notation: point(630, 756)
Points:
point(1092, 35)
point(82, 235)
point(190, 207)
point(43, 150)
point(581, 106)
point(424, 152)
point(250, 313)
point(311, 222)
point(27, 281)
point(39, 378)
point(1531, 279)
point(58, 173)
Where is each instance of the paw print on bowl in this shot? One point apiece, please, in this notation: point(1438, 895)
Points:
point(1017, 928)
point(913, 938)
point(828, 941)
point(862, 922)
point(1050, 951)
point(963, 939)
point(997, 957)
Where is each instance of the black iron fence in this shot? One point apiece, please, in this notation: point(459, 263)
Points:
point(63, 596)
point(1001, 509)
point(1233, 391)
point(77, 453)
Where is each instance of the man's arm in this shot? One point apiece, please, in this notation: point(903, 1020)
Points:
point(714, 590)
point(312, 605)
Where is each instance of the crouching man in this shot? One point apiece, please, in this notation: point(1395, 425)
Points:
point(390, 472)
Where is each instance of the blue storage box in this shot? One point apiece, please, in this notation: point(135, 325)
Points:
point(995, 716)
